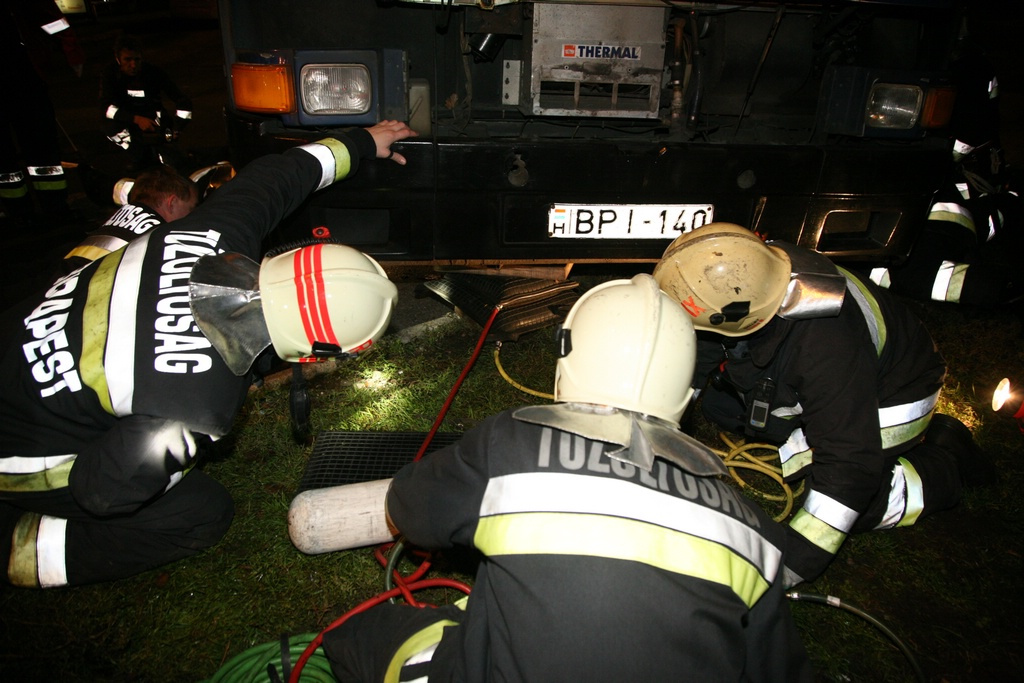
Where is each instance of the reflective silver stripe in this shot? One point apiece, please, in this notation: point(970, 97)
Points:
point(907, 412)
point(949, 282)
point(119, 355)
point(422, 656)
point(950, 212)
point(122, 139)
point(183, 114)
point(795, 454)
point(897, 499)
point(325, 156)
point(796, 443)
point(914, 493)
point(873, 318)
point(831, 511)
point(11, 178)
point(880, 276)
point(961, 149)
point(45, 171)
point(964, 189)
point(906, 497)
point(50, 558)
point(993, 223)
point(17, 464)
point(55, 26)
point(788, 411)
point(105, 242)
point(993, 88)
point(557, 492)
point(136, 93)
point(111, 111)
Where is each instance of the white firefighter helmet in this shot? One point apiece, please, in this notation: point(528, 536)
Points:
point(324, 300)
point(725, 277)
point(627, 345)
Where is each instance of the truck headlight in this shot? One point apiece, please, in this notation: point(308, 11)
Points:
point(894, 106)
point(335, 89)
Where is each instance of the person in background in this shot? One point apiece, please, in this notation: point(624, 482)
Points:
point(612, 549)
point(126, 368)
point(30, 152)
point(971, 250)
point(132, 106)
point(839, 374)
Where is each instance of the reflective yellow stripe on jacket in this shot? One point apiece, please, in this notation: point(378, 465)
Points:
point(566, 514)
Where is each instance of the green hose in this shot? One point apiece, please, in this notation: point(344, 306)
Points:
point(251, 666)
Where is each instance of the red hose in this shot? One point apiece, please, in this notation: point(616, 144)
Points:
point(362, 607)
point(458, 383)
point(405, 586)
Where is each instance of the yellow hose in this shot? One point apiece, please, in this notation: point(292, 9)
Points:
point(517, 385)
point(738, 456)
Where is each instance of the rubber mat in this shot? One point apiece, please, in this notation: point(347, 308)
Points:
point(352, 457)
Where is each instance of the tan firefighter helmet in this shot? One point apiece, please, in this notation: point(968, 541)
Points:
point(725, 277)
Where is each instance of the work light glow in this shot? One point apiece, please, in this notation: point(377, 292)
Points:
point(1001, 397)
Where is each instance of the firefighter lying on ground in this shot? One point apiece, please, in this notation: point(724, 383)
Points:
point(830, 367)
point(612, 550)
point(126, 367)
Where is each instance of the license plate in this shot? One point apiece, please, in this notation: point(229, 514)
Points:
point(626, 221)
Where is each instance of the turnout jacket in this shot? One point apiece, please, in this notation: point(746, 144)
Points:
point(126, 224)
point(109, 383)
point(847, 394)
point(594, 570)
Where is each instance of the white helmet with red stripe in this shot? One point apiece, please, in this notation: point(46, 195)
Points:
point(324, 300)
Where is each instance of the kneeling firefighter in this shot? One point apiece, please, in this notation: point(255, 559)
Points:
point(612, 550)
point(126, 367)
point(822, 362)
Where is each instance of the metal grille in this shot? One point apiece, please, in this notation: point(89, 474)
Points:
point(352, 457)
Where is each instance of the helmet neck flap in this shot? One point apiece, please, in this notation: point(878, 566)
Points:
point(226, 305)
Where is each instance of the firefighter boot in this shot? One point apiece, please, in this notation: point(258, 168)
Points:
point(953, 436)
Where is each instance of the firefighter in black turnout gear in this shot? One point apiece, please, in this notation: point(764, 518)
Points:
point(125, 367)
point(971, 250)
point(30, 153)
point(612, 550)
point(132, 108)
point(832, 369)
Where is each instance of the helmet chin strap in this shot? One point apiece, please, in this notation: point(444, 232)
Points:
point(226, 305)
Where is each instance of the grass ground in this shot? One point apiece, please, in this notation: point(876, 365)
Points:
point(948, 589)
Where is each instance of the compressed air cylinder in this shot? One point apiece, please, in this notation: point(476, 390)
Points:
point(339, 517)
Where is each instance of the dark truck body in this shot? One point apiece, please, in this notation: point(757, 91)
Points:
point(527, 108)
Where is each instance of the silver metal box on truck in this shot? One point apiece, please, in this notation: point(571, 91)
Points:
point(575, 66)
